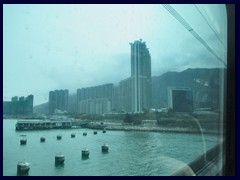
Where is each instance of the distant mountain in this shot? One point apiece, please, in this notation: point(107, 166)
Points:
point(204, 83)
point(41, 109)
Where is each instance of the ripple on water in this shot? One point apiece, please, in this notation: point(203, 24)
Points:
point(130, 153)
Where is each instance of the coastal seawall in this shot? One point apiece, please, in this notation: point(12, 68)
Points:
point(119, 127)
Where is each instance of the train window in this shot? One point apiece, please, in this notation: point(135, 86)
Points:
point(154, 78)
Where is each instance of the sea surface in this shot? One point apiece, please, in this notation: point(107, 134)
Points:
point(131, 153)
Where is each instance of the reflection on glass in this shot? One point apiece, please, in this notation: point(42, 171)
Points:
point(150, 78)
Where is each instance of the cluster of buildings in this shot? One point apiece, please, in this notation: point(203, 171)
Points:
point(18, 106)
point(131, 95)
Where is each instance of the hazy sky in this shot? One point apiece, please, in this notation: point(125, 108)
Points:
point(48, 47)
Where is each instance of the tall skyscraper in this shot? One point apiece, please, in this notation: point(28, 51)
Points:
point(141, 76)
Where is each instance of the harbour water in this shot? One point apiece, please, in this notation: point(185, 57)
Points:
point(131, 153)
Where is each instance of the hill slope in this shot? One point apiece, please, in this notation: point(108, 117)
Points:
point(204, 83)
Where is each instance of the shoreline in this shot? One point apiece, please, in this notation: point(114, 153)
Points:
point(129, 127)
point(155, 129)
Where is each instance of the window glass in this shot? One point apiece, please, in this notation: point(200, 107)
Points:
point(149, 78)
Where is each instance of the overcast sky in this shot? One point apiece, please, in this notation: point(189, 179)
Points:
point(48, 47)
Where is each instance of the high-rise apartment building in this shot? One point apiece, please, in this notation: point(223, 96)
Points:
point(125, 95)
point(28, 104)
point(94, 106)
point(88, 99)
point(133, 94)
point(19, 106)
point(58, 99)
point(14, 105)
point(140, 76)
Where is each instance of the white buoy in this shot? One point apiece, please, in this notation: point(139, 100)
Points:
point(42, 139)
point(84, 133)
point(59, 137)
point(23, 140)
point(85, 153)
point(23, 167)
point(105, 148)
point(59, 158)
